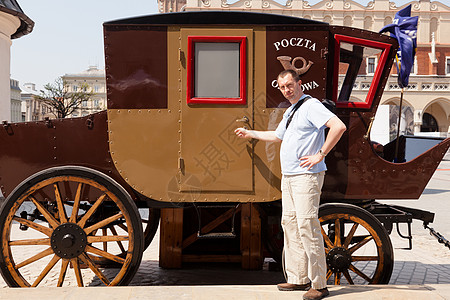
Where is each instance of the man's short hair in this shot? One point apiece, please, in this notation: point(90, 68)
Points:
point(289, 71)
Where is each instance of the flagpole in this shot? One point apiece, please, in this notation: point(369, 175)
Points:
point(398, 127)
point(404, 29)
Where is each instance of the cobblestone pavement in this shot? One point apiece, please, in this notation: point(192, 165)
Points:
point(427, 263)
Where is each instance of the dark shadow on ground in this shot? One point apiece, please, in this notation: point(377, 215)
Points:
point(149, 274)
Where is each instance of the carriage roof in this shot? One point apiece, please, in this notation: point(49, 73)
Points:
point(215, 17)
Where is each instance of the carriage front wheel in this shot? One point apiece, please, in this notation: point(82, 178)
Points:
point(357, 246)
point(62, 225)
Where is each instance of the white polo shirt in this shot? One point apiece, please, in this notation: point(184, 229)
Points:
point(304, 136)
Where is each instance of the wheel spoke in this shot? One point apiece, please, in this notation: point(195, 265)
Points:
point(34, 258)
point(77, 270)
point(94, 269)
point(337, 278)
point(104, 239)
point(360, 274)
point(348, 277)
point(76, 204)
point(62, 273)
point(103, 223)
point(31, 242)
point(47, 269)
point(337, 233)
point(329, 273)
point(123, 226)
point(119, 243)
point(50, 219)
point(60, 204)
point(350, 235)
point(327, 240)
point(105, 254)
point(45, 230)
point(365, 258)
point(360, 244)
point(91, 211)
point(105, 244)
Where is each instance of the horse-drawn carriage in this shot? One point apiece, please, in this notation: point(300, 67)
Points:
point(87, 194)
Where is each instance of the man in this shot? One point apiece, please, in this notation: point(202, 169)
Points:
point(302, 153)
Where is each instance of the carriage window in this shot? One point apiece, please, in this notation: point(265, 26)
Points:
point(216, 70)
point(358, 73)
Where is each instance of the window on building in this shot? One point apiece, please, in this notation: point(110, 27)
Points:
point(447, 65)
point(429, 123)
point(74, 88)
point(368, 22)
point(96, 88)
point(84, 103)
point(371, 65)
point(387, 21)
point(348, 21)
point(96, 103)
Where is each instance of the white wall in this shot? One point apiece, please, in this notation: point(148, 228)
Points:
point(380, 127)
point(8, 25)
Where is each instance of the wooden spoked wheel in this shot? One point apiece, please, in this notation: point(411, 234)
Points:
point(357, 246)
point(63, 224)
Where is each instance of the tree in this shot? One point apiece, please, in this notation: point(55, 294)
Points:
point(62, 102)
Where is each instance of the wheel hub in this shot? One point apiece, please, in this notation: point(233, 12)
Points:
point(68, 240)
point(339, 259)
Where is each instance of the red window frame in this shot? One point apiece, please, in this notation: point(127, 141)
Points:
point(242, 99)
point(376, 76)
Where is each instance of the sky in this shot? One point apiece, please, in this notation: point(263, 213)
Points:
point(68, 35)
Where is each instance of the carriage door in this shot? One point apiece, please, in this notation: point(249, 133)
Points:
point(216, 91)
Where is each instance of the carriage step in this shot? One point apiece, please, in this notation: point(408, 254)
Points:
point(217, 235)
point(205, 231)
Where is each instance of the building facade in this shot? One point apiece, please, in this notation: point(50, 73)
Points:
point(16, 101)
point(426, 103)
point(96, 81)
point(13, 24)
point(33, 107)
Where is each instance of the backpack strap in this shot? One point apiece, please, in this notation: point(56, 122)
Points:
point(297, 105)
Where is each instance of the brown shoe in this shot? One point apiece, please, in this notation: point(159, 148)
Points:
point(293, 287)
point(314, 294)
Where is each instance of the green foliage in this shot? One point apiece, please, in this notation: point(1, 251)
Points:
point(62, 103)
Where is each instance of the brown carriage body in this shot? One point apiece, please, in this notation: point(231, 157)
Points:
point(163, 144)
point(163, 148)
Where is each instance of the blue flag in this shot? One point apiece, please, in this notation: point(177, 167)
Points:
point(404, 29)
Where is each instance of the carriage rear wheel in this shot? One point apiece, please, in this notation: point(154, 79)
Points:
point(60, 225)
point(357, 246)
point(361, 254)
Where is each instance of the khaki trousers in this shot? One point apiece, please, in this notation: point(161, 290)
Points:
point(304, 253)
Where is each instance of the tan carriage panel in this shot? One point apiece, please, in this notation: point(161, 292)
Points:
point(144, 154)
point(162, 153)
